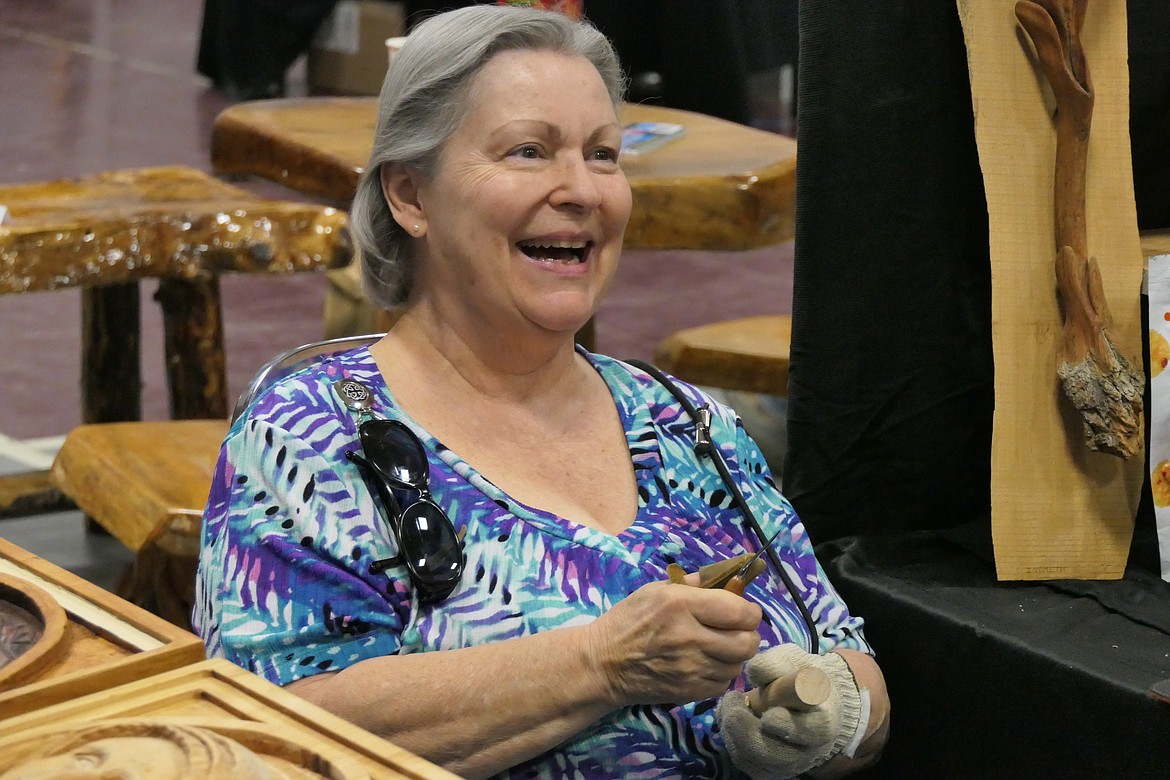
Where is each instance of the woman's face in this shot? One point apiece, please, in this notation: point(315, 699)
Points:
point(525, 216)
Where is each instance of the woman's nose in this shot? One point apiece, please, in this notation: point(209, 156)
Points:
point(576, 184)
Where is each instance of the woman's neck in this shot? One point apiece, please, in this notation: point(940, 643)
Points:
point(423, 351)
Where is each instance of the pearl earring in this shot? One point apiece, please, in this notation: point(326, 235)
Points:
point(415, 228)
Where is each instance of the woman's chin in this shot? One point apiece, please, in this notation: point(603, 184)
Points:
point(560, 323)
point(563, 314)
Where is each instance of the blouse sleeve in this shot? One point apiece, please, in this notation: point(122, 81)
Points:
point(837, 627)
point(282, 588)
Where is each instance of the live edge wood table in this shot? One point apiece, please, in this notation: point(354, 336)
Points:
point(103, 233)
point(721, 186)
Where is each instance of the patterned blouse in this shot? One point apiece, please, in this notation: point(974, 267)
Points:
point(291, 529)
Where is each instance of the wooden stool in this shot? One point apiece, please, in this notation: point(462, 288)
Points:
point(748, 354)
point(146, 483)
point(105, 232)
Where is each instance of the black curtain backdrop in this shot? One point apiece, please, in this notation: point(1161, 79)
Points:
point(890, 392)
point(704, 51)
point(1149, 105)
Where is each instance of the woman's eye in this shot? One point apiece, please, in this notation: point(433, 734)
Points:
point(528, 152)
point(604, 154)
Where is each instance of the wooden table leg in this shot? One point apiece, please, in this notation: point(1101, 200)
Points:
point(111, 362)
point(193, 326)
point(111, 374)
point(161, 583)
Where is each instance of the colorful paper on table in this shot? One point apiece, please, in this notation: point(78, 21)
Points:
point(641, 137)
point(1158, 284)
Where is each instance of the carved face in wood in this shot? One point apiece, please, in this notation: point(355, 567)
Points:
point(125, 758)
point(137, 750)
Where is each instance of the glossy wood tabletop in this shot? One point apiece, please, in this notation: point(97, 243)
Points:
point(721, 185)
point(169, 221)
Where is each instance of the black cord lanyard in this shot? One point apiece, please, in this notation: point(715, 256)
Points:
point(704, 447)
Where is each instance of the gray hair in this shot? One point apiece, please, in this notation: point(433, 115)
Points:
point(425, 97)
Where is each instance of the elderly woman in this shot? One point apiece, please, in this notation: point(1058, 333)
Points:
point(462, 537)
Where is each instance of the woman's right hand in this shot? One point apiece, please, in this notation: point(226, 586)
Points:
point(673, 643)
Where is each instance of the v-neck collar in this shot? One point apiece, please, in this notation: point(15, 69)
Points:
point(642, 443)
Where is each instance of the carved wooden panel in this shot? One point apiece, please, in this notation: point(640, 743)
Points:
point(104, 641)
point(218, 695)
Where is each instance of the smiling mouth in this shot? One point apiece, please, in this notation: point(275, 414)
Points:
point(562, 252)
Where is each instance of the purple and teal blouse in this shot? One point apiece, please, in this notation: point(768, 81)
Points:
point(291, 529)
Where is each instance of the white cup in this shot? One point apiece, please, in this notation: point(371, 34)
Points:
point(392, 47)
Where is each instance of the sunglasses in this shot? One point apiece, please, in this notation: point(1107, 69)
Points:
point(394, 460)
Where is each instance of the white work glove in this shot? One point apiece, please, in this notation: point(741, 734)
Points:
point(784, 743)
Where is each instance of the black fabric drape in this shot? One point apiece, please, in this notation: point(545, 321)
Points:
point(1149, 109)
point(1007, 680)
point(695, 45)
point(890, 392)
point(247, 46)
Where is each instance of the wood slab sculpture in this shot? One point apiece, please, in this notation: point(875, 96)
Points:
point(1059, 509)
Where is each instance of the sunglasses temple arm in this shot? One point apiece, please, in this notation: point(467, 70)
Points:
point(379, 566)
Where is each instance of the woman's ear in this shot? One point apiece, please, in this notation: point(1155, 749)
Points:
point(400, 186)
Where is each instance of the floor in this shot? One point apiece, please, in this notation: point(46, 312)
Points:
point(93, 85)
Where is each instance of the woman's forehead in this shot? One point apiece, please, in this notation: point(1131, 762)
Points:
point(525, 72)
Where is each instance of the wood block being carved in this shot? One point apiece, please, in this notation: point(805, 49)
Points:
point(218, 697)
point(94, 640)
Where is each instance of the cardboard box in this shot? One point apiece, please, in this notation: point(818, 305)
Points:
point(348, 55)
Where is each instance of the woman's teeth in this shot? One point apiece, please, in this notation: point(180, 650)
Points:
point(566, 252)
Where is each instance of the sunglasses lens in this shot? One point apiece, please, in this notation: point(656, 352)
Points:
point(396, 451)
point(429, 543)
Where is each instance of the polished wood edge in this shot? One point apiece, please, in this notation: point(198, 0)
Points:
point(237, 149)
point(31, 493)
point(85, 445)
point(750, 354)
